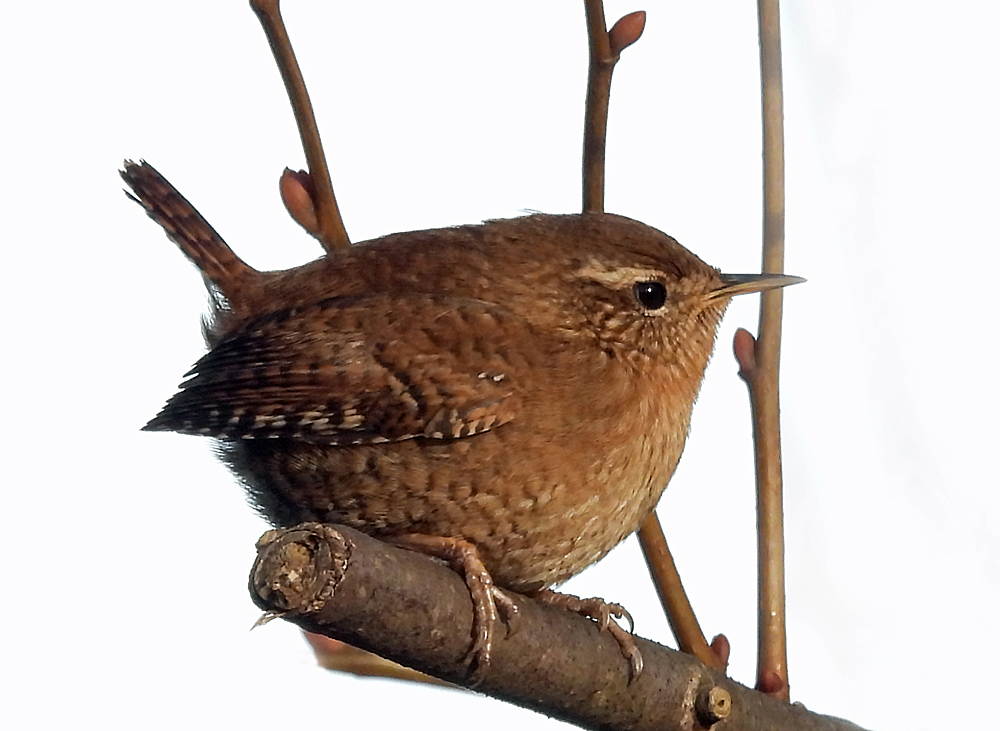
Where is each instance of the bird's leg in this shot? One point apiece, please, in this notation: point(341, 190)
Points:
point(601, 611)
point(489, 602)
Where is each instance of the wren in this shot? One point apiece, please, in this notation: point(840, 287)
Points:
point(513, 396)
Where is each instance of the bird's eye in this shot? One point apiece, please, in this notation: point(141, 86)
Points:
point(651, 295)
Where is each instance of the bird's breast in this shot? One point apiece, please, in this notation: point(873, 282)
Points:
point(542, 497)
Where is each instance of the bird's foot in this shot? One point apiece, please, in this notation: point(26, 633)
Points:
point(600, 611)
point(489, 602)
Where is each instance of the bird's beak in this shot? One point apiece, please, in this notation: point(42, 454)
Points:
point(734, 284)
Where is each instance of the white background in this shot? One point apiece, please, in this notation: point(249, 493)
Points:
point(126, 553)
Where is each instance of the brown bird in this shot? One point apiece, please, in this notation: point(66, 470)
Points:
point(516, 393)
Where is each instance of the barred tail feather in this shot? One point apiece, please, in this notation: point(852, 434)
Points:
point(186, 227)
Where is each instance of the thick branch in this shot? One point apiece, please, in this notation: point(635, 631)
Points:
point(338, 582)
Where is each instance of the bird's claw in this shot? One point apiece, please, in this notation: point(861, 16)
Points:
point(601, 612)
point(489, 602)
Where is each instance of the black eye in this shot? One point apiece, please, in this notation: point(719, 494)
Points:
point(651, 295)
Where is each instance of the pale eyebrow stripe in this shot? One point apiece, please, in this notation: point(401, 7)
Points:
point(618, 276)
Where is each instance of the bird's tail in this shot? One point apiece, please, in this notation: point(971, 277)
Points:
point(186, 227)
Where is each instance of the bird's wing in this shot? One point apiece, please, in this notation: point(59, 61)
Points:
point(356, 370)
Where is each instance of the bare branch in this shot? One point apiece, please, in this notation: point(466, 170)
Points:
point(604, 51)
point(329, 227)
point(340, 657)
point(341, 583)
point(673, 598)
point(759, 368)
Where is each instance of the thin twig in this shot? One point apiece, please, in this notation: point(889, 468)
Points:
point(330, 226)
point(673, 598)
point(759, 368)
point(605, 49)
point(340, 657)
point(595, 124)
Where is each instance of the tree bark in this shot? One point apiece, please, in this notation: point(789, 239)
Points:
point(335, 581)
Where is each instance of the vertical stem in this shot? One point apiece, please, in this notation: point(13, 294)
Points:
point(673, 598)
point(595, 125)
point(605, 50)
point(331, 232)
point(772, 669)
